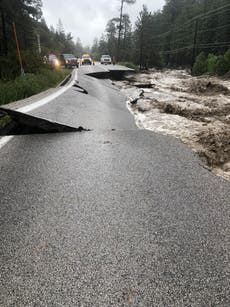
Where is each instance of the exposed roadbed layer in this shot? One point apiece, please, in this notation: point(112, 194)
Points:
point(132, 220)
point(196, 110)
point(16, 123)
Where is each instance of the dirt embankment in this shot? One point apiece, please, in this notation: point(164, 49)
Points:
point(196, 110)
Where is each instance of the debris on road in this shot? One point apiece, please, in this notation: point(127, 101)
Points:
point(81, 89)
point(194, 109)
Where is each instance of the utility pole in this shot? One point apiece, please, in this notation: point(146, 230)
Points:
point(194, 44)
point(39, 44)
point(18, 49)
point(141, 47)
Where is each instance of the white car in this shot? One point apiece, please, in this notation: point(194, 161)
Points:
point(106, 59)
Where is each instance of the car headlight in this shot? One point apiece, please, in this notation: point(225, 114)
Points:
point(57, 63)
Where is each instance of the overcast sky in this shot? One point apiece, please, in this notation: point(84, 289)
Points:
point(87, 18)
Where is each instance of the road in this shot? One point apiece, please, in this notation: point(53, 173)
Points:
point(111, 217)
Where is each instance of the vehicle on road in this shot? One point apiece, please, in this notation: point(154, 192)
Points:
point(86, 59)
point(68, 60)
point(52, 60)
point(106, 59)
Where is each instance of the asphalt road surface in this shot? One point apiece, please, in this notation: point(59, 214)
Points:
point(112, 217)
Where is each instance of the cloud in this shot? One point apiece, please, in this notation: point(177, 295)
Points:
point(87, 19)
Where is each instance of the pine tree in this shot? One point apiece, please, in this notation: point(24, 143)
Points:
point(120, 23)
point(60, 28)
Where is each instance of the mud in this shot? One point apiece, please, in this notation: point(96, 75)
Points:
point(196, 110)
point(208, 88)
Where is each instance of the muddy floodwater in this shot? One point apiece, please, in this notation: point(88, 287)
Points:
point(194, 109)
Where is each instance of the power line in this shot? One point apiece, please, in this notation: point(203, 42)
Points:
point(211, 47)
point(213, 12)
point(208, 14)
point(216, 28)
point(186, 36)
point(177, 42)
point(212, 44)
point(174, 51)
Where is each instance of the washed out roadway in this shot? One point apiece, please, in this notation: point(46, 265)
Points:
point(112, 217)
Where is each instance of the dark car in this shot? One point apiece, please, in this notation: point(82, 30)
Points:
point(52, 60)
point(68, 60)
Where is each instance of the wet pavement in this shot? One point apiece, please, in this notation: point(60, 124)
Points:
point(116, 216)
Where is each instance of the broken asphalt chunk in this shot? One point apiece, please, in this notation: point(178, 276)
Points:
point(16, 123)
point(84, 91)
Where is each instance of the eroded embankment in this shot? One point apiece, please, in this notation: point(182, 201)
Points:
point(196, 110)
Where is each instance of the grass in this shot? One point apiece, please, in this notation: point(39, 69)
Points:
point(30, 84)
point(4, 121)
point(129, 65)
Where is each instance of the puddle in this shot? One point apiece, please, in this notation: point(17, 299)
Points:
point(17, 123)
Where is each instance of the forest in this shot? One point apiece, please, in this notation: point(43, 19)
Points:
point(36, 39)
point(185, 33)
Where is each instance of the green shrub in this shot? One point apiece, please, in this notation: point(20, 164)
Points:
point(211, 63)
point(32, 63)
point(9, 67)
point(200, 65)
point(4, 121)
point(129, 65)
point(155, 60)
point(227, 58)
point(222, 66)
point(30, 84)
